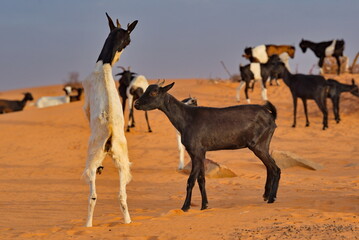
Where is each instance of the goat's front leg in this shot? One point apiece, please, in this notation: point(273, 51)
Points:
point(339, 64)
point(294, 111)
point(148, 123)
point(320, 64)
point(264, 88)
point(246, 92)
point(238, 90)
point(196, 162)
point(305, 111)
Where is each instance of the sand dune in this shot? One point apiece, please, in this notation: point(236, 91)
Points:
point(43, 155)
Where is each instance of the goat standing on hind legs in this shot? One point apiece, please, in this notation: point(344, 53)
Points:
point(205, 129)
point(104, 112)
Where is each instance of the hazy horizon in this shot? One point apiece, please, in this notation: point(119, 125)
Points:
point(43, 41)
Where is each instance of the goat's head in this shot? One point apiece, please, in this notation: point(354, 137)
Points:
point(303, 45)
point(67, 90)
point(153, 97)
point(28, 96)
point(355, 89)
point(126, 76)
point(117, 40)
point(191, 101)
point(247, 53)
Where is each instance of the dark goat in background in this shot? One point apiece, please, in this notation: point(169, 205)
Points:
point(335, 89)
point(306, 87)
point(205, 129)
point(7, 106)
point(333, 48)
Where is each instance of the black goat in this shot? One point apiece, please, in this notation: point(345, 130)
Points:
point(306, 87)
point(333, 48)
point(335, 89)
point(257, 71)
point(209, 129)
point(7, 106)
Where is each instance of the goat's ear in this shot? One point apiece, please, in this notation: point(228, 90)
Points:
point(131, 26)
point(118, 74)
point(168, 87)
point(110, 22)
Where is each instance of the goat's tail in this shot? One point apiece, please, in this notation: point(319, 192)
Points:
point(271, 108)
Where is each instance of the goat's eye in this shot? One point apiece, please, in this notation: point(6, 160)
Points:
point(153, 93)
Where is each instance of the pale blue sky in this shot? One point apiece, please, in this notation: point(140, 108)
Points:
point(42, 41)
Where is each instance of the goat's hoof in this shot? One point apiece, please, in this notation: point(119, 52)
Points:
point(128, 130)
point(307, 125)
point(293, 126)
point(204, 207)
point(185, 209)
point(99, 170)
point(325, 127)
point(150, 130)
point(271, 200)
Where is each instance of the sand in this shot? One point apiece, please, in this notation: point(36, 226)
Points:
point(43, 151)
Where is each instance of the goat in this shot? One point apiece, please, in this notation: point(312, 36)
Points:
point(190, 102)
point(335, 90)
point(132, 87)
point(333, 48)
point(104, 112)
point(306, 87)
point(78, 96)
point(262, 53)
point(205, 129)
point(49, 101)
point(126, 77)
point(7, 106)
point(257, 71)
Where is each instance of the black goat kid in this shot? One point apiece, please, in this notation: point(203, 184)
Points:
point(335, 89)
point(209, 129)
point(333, 48)
point(306, 87)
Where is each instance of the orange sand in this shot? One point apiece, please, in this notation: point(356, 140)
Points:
point(43, 153)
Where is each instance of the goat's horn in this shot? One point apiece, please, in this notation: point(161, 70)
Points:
point(118, 23)
point(123, 69)
point(160, 83)
point(129, 68)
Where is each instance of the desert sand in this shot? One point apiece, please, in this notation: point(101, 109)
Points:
point(43, 152)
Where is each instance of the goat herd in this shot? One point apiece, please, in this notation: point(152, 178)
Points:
point(200, 129)
point(8, 106)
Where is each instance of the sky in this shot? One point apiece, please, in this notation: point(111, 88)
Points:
point(42, 41)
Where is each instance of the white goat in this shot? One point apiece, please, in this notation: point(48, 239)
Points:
point(134, 91)
point(190, 102)
point(54, 100)
point(104, 112)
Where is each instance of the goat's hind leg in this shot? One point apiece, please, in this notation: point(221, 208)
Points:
point(273, 172)
point(93, 163)
point(120, 158)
